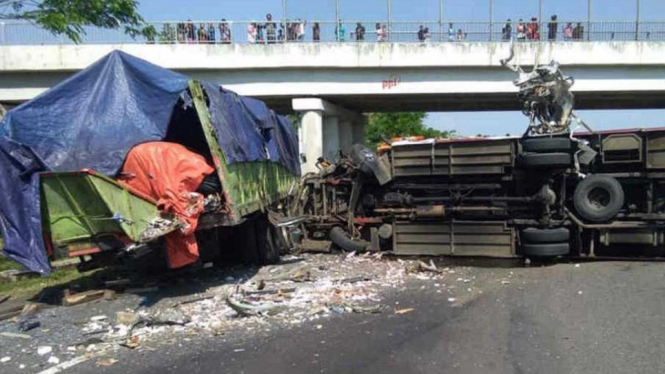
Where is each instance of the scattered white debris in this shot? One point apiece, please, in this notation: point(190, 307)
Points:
point(44, 350)
point(452, 299)
point(577, 265)
point(239, 350)
point(579, 292)
point(22, 366)
point(53, 360)
point(98, 318)
point(5, 359)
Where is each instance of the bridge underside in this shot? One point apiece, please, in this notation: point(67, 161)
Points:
point(474, 102)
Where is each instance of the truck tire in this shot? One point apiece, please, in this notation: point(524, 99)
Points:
point(536, 160)
point(268, 249)
point(545, 250)
point(537, 236)
point(344, 241)
point(546, 145)
point(598, 198)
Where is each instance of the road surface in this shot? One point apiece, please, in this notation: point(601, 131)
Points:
point(603, 317)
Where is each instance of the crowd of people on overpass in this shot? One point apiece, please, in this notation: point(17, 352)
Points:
point(271, 31)
point(531, 30)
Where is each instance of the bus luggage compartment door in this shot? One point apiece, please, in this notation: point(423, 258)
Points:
point(458, 238)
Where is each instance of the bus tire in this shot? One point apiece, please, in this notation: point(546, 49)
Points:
point(598, 198)
point(536, 160)
point(546, 145)
point(344, 241)
point(545, 250)
point(535, 236)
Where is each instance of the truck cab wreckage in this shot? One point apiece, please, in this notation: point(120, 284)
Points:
point(552, 192)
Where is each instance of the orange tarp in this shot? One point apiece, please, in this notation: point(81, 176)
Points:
point(170, 174)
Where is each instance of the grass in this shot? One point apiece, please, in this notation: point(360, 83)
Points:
point(33, 285)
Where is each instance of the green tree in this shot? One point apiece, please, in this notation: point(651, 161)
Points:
point(390, 125)
point(69, 17)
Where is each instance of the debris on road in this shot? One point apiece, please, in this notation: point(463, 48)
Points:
point(15, 335)
point(127, 318)
point(44, 350)
point(70, 299)
point(106, 362)
point(5, 359)
point(53, 360)
point(252, 309)
point(299, 289)
point(28, 324)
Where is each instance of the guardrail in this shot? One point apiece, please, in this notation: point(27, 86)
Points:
point(263, 32)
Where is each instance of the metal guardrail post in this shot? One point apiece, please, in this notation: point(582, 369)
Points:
point(440, 20)
point(491, 16)
point(637, 21)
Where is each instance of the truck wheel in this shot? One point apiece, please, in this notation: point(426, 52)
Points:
point(545, 250)
point(266, 242)
point(535, 236)
point(344, 241)
point(546, 145)
point(536, 160)
point(598, 198)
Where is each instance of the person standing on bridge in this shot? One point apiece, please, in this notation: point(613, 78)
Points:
point(340, 31)
point(270, 28)
point(578, 32)
point(203, 33)
point(211, 33)
point(316, 32)
point(451, 32)
point(568, 31)
point(300, 30)
point(360, 32)
point(224, 32)
point(533, 30)
point(191, 32)
point(552, 28)
point(421, 34)
point(507, 31)
point(251, 33)
point(521, 31)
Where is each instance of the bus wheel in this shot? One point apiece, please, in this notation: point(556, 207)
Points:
point(598, 198)
point(545, 250)
point(535, 236)
point(536, 160)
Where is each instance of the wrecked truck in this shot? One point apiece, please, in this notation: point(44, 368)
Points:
point(127, 160)
point(552, 192)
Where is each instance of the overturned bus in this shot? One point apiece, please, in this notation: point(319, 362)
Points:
point(126, 160)
point(552, 192)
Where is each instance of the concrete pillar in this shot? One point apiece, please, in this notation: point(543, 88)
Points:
point(325, 129)
point(331, 137)
point(358, 129)
point(311, 144)
point(345, 134)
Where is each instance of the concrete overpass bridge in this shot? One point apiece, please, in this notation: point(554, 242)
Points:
point(333, 83)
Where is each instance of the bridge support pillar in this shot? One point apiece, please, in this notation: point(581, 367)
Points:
point(325, 128)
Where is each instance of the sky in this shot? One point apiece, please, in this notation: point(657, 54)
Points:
point(465, 123)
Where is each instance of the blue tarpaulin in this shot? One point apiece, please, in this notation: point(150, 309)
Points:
point(20, 218)
point(94, 118)
point(248, 130)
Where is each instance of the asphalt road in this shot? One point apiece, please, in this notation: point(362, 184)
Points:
point(592, 318)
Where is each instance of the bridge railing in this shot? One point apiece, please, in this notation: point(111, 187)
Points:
point(262, 32)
